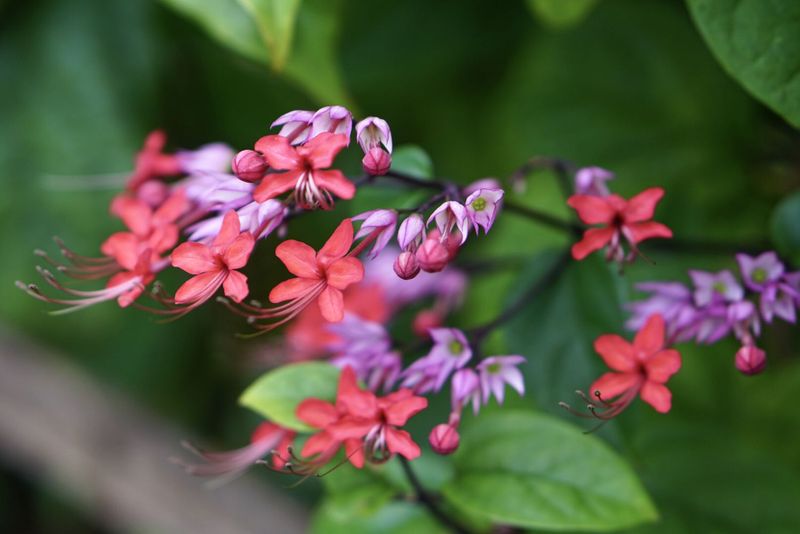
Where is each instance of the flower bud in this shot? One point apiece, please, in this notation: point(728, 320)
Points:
point(249, 166)
point(750, 360)
point(411, 232)
point(432, 256)
point(424, 321)
point(376, 162)
point(444, 439)
point(153, 193)
point(406, 266)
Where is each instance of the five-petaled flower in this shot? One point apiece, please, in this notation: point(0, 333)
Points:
point(628, 219)
point(215, 265)
point(365, 424)
point(304, 169)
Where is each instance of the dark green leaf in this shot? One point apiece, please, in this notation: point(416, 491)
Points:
point(412, 160)
point(786, 227)
point(561, 13)
point(275, 20)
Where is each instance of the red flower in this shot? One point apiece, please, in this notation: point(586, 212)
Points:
point(304, 166)
point(365, 424)
point(641, 368)
point(151, 162)
point(215, 265)
point(320, 276)
point(620, 218)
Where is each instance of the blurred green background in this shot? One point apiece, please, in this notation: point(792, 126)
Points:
point(481, 86)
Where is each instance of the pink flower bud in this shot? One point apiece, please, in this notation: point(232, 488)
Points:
point(432, 256)
point(249, 166)
point(750, 360)
point(406, 266)
point(444, 439)
point(411, 232)
point(376, 162)
point(424, 321)
point(153, 193)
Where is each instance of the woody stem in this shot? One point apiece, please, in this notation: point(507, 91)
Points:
point(429, 500)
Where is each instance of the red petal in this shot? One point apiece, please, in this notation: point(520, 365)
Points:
point(292, 289)
point(299, 258)
point(592, 209)
point(194, 258)
point(593, 239)
point(235, 286)
point(400, 412)
point(663, 365)
point(642, 206)
point(317, 413)
point(172, 208)
point(331, 304)
point(400, 442)
point(338, 244)
point(134, 213)
point(349, 427)
point(638, 232)
point(335, 182)
point(229, 230)
point(322, 149)
point(123, 247)
point(275, 184)
point(319, 442)
point(352, 399)
point(650, 338)
point(238, 252)
point(611, 385)
point(616, 352)
point(657, 396)
point(163, 238)
point(354, 449)
point(197, 287)
point(279, 153)
point(341, 273)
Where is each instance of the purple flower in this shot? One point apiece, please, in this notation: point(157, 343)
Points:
point(496, 372)
point(715, 287)
point(256, 218)
point(296, 125)
point(217, 191)
point(373, 132)
point(381, 222)
point(465, 389)
point(482, 207)
point(333, 119)
point(671, 300)
point(451, 215)
point(359, 337)
point(765, 275)
point(592, 181)
point(213, 157)
point(411, 232)
point(450, 352)
point(744, 320)
point(761, 271)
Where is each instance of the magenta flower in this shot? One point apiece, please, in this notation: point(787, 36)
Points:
point(260, 219)
point(217, 191)
point(451, 215)
point(333, 119)
point(750, 360)
point(465, 389)
point(379, 224)
point(764, 274)
point(671, 300)
point(295, 125)
point(496, 372)
point(450, 352)
point(373, 132)
point(715, 287)
point(482, 207)
point(592, 181)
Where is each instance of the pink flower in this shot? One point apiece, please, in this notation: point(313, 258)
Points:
point(152, 163)
point(215, 265)
point(592, 181)
point(444, 439)
point(465, 389)
point(332, 119)
point(411, 232)
point(373, 132)
point(496, 372)
point(451, 215)
point(305, 172)
point(249, 166)
point(295, 125)
point(482, 207)
point(620, 218)
point(450, 352)
point(380, 224)
point(213, 157)
point(750, 360)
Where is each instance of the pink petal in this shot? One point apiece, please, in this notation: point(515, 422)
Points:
point(123, 247)
point(611, 385)
point(350, 427)
point(292, 289)
point(616, 352)
point(274, 185)
point(317, 413)
point(657, 396)
point(663, 365)
point(229, 230)
point(322, 149)
point(341, 273)
point(319, 442)
point(338, 243)
point(354, 449)
point(163, 238)
point(650, 338)
point(176, 205)
point(642, 206)
point(299, 258)
point(400, 412)
point(335, 182)
point(197, 287)
point(235, 286)
point(593, 239)
point(400, 442)
point(194, 258)
point(638, 232)
point(134, 213)
point(238, 252)
point(279, 153)
point(592, 209)
point(331, 304)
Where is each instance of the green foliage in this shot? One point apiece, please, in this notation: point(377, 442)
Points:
point(276, 21)
point(276, 394)
point(561, 13)
point(530, 470)
point(758, 43)
point(786, 227)
point(412, 160)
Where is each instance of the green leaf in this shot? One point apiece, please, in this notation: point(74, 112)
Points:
point(275, 20)
point(786, 227)
point(758, 43)
point(396, 517)
point(412, 160)
point(276, 394)
point(561, 13)
point(531, 470)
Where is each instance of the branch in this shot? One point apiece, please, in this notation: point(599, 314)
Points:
point(428, 500)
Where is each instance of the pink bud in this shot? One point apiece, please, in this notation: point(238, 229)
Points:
point(432, 255)
point(376, 162)
point(424, 321)
point(249, 165)
point(153, 193)
point(444, 439)
point(750, 360)
point(453, 244)
point(406, 266)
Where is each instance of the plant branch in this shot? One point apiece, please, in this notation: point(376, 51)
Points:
point(428, 500)
point(543, 218)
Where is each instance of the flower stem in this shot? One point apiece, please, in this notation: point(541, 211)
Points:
point(543, 218)
point(429, 500)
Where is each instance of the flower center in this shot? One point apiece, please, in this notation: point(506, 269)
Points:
point(456, 347)
point(479, 204)
point(719, 287)
point(493, 368)
point(759, 275)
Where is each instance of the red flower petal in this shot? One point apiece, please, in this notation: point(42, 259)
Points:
point(331, 304)
point(351, 427)
point(642, 206)
point(194, 258)
point(197, 287)
point(352, 399)
point(338, 244)
point(638, 232)
point(176, 205)
point(292, 289)
point(274, 185)
point(299, 258)
point(123, 247)
point(238, 252)
point(322, 149)
point(663, 365)
point(235, 286)
point(335, 182)
point(657, 396)
point(134, 213)
point(400, 412)
point(611, 385)
point(400, 442)
point(354, 449)
point(319, 442)
point(279, 153)
point(341, 273)
point(617, 353)
point(593, 239)
point(317, 413)
point(163, 238)
point(592, 209)
point(229, 230)
point(650, 338)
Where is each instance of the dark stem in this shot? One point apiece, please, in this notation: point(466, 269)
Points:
point(543, 218)
point(417, 182)
point(562, 168)
point(428, 500)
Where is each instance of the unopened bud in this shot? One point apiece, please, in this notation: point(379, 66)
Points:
point(424, 321)
point(153, 193)
point(750, 360)
point(444, 439)
point(453, 243)
point(249, 165)
point(406, 266)
point(376, 162)
point(432, 255)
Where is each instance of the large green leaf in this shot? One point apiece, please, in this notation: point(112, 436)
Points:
point(786, 226)
point(275, 20)
point(276, 394)
point(758, 43)
point(531, 470)
point(561, 13)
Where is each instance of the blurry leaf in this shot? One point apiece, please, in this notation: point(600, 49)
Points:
point(786, 227)
point(561, 13)
point(758, 43)
point(275, 20)
point(530, 470)
point(396, 517)
point(276, 394)
point(412, 160)
point(355, 493)
point(555, 331)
